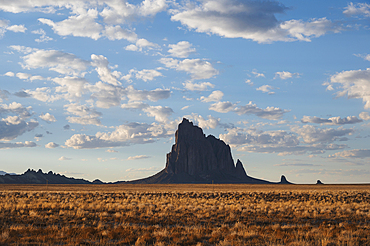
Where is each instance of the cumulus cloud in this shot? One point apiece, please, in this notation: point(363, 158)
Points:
point(331, 121)
point(160, 113)
point(181, 50)
point(355, 153)
point(311, 134)
point(286, 75)
point(17, 145)
point(266, 89)
point(271, 113)
point(101, 63)
point(142, 95)
point(137, 157)
point(83, 114)
point(118, 33)
point(63, 158)
point(253, 20)
point(203, 86)
point(366, 57)
point(145, 74)
point(203, 123)
point(364, 116)
point(58, 61)
point(48, 117)
point(354, 84)
point(142, 44)
point(17, 28)
point(357, 9)
point(51, 145)
point(15, 108)
point(215, 96)
point(123, 135)
point(280, 142)
point(81, 25)
point(197, 68)
point(13, 126)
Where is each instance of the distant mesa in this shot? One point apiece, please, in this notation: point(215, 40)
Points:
point(195, 158)
point(33, 177)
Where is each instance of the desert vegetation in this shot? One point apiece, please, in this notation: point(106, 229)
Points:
point(328, 216)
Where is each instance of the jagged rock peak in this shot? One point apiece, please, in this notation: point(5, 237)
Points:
point(283, 180)
point(195, 154)
point(239, 169)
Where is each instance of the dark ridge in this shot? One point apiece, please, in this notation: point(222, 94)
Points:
point(318, 182)
point(33, 177)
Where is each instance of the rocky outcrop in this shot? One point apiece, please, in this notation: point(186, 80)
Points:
point(318, 182)
point(33, 177)
point(195, 158)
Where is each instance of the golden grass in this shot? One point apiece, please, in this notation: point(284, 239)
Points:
point(184, 215)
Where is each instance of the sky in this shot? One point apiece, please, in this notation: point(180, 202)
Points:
point(96, 89)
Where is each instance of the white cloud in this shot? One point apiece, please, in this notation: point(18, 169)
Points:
point(63, 158)
point(147, 74)
point(160, 113)
point(106, 95)
point(354, 84)
point(286, 75)
point(83, 115)
point(24, 76)
point(9, 74)
point(58, 61)
point(117, 33)
point(71, 88)
point(181, 50)
point(51, 145)
point(249, 82)
point(215, 96)
point(331, 121)
point(212, 122)
point(17, 145)
point(257, 74)
point(137, 157)
point(203, 86)
point(16, 108)
point(311, 134)
point(364, 116)
point(271, 113)
point(43, 38)
point(142, 44)
point(17, 28)
point(80, 25)
point(266, 89)
point(101, 63)
point(152, 7)
point(366, 57)
point(48, 117)
point(124, 135)
point(197, 68)
point(357, 9)
point(253, 20)
point(4, 95)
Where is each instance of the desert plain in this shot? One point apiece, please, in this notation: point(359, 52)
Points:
point(185, 214)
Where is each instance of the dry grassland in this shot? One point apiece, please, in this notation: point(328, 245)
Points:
point(184, 215)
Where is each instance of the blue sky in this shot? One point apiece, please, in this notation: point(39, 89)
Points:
point(96, 89)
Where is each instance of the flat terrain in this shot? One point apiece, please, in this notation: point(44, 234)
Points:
point(185, 214)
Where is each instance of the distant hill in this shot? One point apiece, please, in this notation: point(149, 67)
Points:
point(195, 158)
point(33, 177)
point(3, 173)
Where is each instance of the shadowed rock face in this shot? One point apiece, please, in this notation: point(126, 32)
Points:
point(195, 158)
point(195, 154)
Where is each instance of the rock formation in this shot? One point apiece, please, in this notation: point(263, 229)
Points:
point(318, 182)
point(195, 158)
point(33, 177)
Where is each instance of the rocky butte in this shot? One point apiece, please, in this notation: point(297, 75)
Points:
point(195, 158)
